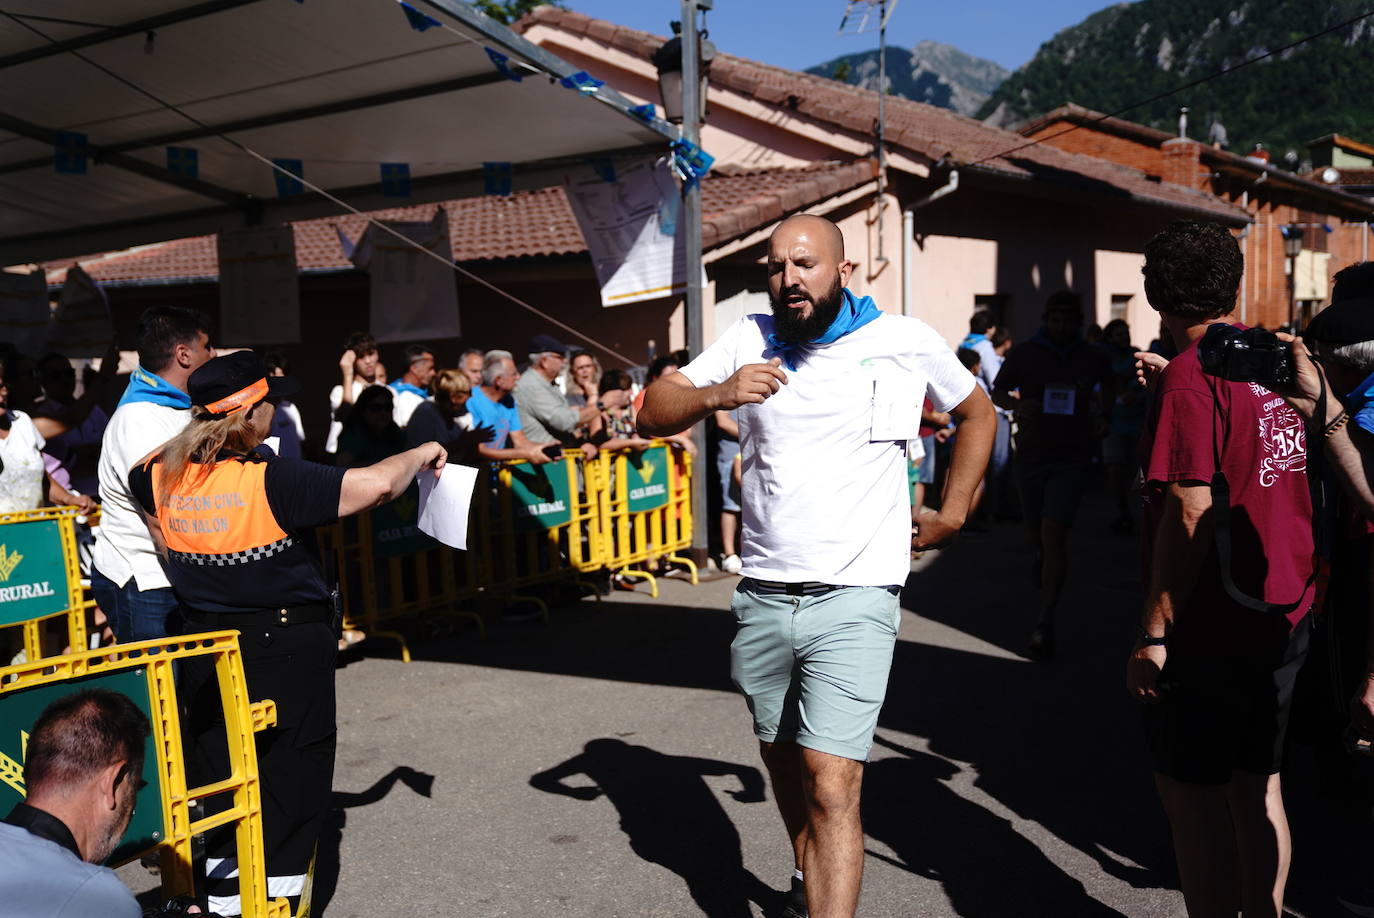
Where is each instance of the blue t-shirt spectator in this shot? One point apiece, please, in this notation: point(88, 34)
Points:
point(502, 416)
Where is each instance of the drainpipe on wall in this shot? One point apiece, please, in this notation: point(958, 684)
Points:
point(908, 257)
point(909, 238)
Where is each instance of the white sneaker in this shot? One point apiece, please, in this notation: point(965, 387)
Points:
point(731, 564)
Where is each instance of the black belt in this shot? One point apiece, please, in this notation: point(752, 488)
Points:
point(804, 588)
point(283, 615)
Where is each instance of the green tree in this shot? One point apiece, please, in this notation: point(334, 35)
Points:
point(507, 11)
point(841, 72)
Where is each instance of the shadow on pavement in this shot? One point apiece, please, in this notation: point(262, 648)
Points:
point(985, 866)
point(628, 642)
point(672, 818)
point(331, 836)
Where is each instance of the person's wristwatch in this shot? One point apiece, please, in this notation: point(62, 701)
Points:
point(600, 405)
point(1147, 639)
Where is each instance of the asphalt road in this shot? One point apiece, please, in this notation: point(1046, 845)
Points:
point(603, 765)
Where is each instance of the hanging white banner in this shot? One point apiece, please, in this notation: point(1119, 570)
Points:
point(414, 297)
point(24, 311)
point(630, 225)
point(81, 326)
point(259, 289)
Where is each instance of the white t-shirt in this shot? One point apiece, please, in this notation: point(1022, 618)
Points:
point(403, 404)
point(123, 548)
point(21, 482)
point(331, 442)
point(822, 499)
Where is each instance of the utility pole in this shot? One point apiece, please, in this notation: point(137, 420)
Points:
point(691, 214)
point(856, 17)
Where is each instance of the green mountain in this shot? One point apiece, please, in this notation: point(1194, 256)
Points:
point(931, 72)
point(1130, 52)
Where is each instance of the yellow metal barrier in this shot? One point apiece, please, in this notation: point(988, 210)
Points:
point(646, 509)
point(40, 578)
point(163, 823)
point(542, 523)
point(388, 570)
point(529, 524)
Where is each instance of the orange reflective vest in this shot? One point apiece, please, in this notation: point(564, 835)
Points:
point(220, 514)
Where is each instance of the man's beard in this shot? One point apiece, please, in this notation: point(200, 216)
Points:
point(791, 328)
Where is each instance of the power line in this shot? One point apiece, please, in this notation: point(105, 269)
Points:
point(1178, 89)
point(322, 192)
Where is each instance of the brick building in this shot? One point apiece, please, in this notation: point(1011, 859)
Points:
point(1332, 222)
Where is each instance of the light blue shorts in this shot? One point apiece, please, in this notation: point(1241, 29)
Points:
point(814, 668)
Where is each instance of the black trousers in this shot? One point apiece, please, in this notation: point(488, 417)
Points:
point(294, 666)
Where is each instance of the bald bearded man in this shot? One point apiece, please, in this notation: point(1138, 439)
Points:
point(829, 391)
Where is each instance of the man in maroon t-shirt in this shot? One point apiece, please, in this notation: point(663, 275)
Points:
point(1217, 676)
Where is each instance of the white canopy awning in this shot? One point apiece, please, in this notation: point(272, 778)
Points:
point(341, 86)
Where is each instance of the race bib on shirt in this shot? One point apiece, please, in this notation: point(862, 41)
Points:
point(1060, 399)
point(896, 415)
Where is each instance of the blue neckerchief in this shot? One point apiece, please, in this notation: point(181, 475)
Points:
point(149, 387)
point(1042, 338)
point(854, 314)
point(971, 339)
point(400, 385)
point(1360, 404)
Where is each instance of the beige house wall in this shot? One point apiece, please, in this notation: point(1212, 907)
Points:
point(949, 271)
point(1118, 274)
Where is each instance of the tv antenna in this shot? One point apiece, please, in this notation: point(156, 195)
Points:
point(862, 16)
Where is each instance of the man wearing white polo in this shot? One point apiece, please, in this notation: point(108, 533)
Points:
point(829, 390)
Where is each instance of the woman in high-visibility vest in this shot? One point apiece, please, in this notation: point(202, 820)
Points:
point(226, 513)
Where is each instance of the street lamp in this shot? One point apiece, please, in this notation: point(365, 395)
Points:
point(1292, 248)
point(668, 60)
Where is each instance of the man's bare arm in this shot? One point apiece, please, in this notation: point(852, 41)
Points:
point(972, 447)
point(521, 448)
point(1351, 453)
point(673, 403)
point(1182, 541)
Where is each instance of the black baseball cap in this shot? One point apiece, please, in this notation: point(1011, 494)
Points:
point(542, 343)
point(1347, 322)
point(235, 382)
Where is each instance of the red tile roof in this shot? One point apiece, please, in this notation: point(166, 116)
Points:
point(522, 225)
point(935, 134)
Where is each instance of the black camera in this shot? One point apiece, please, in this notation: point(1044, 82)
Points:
point(1245, 355)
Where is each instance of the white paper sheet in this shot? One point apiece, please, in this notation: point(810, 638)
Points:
point(445, 502)
point(413, 297)
point(630, 226)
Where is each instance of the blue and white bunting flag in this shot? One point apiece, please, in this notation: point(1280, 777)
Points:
point(498, 178)
point(70, 152)
point(288, 185)
point(396, 180)
point(183, 161)
point(690, 162)
point(582, 81)
point(420, 22)
point(502, 63)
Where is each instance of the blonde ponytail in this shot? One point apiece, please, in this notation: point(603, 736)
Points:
point(199, 443)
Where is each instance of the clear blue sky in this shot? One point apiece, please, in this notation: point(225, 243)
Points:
point(802, 33)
